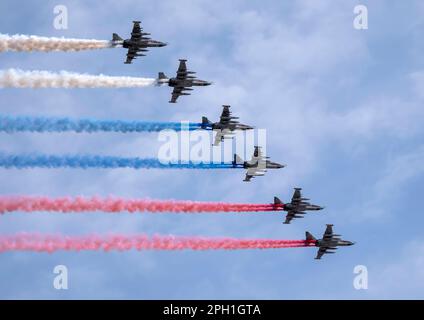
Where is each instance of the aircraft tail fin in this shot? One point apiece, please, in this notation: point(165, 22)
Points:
point(237, 160)
point(205, 122)
point(277, 201)
point(309, 236)
point(116, 37)
point(162, 76)
point(161, 80)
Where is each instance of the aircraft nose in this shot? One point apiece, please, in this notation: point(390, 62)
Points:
point(351, 243)
point(163, 44)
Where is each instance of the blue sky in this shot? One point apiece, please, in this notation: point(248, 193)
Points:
point(342, 108)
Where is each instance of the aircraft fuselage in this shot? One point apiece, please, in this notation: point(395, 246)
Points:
point(268, 165)
point(303, 206)
point(174, 82)
point(333, 243)
point(231, 126)
point(128, 43)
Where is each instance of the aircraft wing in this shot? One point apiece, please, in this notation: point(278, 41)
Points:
point(328, 234)
point(321, 252)
point(248, 177)
point(257, 154)
point(253, 172)
point(289, 217)
point(225, 116)
point(292, 215)
point(136, 31)
point(175, 94)
point(182, 70)
point(297, 195)
point(130, 55)
point(258, 159)
point(221, 135)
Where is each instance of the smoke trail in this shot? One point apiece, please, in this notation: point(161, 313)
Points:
point(84, 162)
point(51, 243)
point(46, 44)
point(15, 78)
point(115, 205)
point(40, 124)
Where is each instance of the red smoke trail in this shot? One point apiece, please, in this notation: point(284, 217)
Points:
point(51, 243)
point(114, 205)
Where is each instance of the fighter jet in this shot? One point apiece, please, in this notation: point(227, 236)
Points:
point(183, 82)
point(297, 207)
point(137, 43)
point(257, 165)
point(329, 242)
point(225, 127)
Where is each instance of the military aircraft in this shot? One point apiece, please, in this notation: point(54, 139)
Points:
point(225, 127)
point(297, 207)
point(257, 165)
point(183, 82)
point(329, 242)
point(137, 43)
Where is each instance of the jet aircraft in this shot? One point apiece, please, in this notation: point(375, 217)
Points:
point(183, 81)
point(225, 127)
point(297, 207)
point(329, 242)
point(257, 165)
point(139, 42)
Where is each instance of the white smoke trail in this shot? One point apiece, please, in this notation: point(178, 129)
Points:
point(15, 78)
point(46, 44)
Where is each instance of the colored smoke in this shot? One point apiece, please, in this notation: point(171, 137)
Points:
point(41, 124)
point(46, 44)
point(117, 205)
point(52, 243)
point(105, 162)
point(15, 78)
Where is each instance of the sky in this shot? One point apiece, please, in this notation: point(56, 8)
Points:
point(342, 107)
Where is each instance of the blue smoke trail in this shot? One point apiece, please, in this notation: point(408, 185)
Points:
point(87, 161)
point(41, 124)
